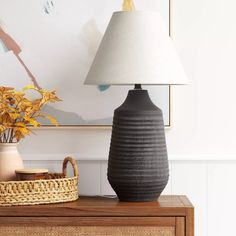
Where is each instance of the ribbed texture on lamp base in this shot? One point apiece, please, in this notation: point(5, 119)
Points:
point(138, 166)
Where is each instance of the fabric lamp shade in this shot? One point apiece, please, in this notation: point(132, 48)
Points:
point(136, 49)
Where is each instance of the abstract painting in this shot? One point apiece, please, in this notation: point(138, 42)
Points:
point(51, 44)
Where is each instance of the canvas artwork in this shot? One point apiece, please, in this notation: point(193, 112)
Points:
point(51, 44)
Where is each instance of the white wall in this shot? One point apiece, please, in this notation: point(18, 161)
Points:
point(201, 143)
point(204, 113)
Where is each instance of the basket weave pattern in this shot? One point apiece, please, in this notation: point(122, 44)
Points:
point(88, 231)
point(56, 189)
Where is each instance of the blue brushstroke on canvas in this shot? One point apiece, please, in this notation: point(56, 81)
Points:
point(103, 88)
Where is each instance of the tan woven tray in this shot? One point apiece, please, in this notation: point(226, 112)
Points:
point(57, 188)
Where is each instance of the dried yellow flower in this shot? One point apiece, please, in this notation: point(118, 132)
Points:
point(18, 113)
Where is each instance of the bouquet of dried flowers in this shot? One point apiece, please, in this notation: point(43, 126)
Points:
point(18, 114)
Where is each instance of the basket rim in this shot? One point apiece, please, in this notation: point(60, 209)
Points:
point(37, 181)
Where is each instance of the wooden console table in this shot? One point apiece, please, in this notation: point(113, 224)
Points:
point(97, 216)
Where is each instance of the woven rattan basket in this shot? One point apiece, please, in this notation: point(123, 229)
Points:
point(57, 188)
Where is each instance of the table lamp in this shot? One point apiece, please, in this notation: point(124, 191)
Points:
point(136, 50)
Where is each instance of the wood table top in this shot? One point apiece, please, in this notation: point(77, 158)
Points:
point(102, 206)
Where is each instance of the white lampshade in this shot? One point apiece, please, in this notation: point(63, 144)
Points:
point(136, 49)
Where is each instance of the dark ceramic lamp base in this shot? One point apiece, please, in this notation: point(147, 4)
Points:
point(138, 164)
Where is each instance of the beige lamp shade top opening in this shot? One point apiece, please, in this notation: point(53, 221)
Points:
point(136, 49)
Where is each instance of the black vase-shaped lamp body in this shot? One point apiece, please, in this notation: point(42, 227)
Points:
point(138, 164)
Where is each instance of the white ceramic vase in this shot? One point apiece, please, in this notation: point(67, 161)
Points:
point(10, 160)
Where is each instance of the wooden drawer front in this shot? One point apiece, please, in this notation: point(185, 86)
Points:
point(88, 221)
point(88, 231)
point(92, 226)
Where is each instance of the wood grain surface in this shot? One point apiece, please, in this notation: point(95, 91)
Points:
point(101, 206)
point(170, 216)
